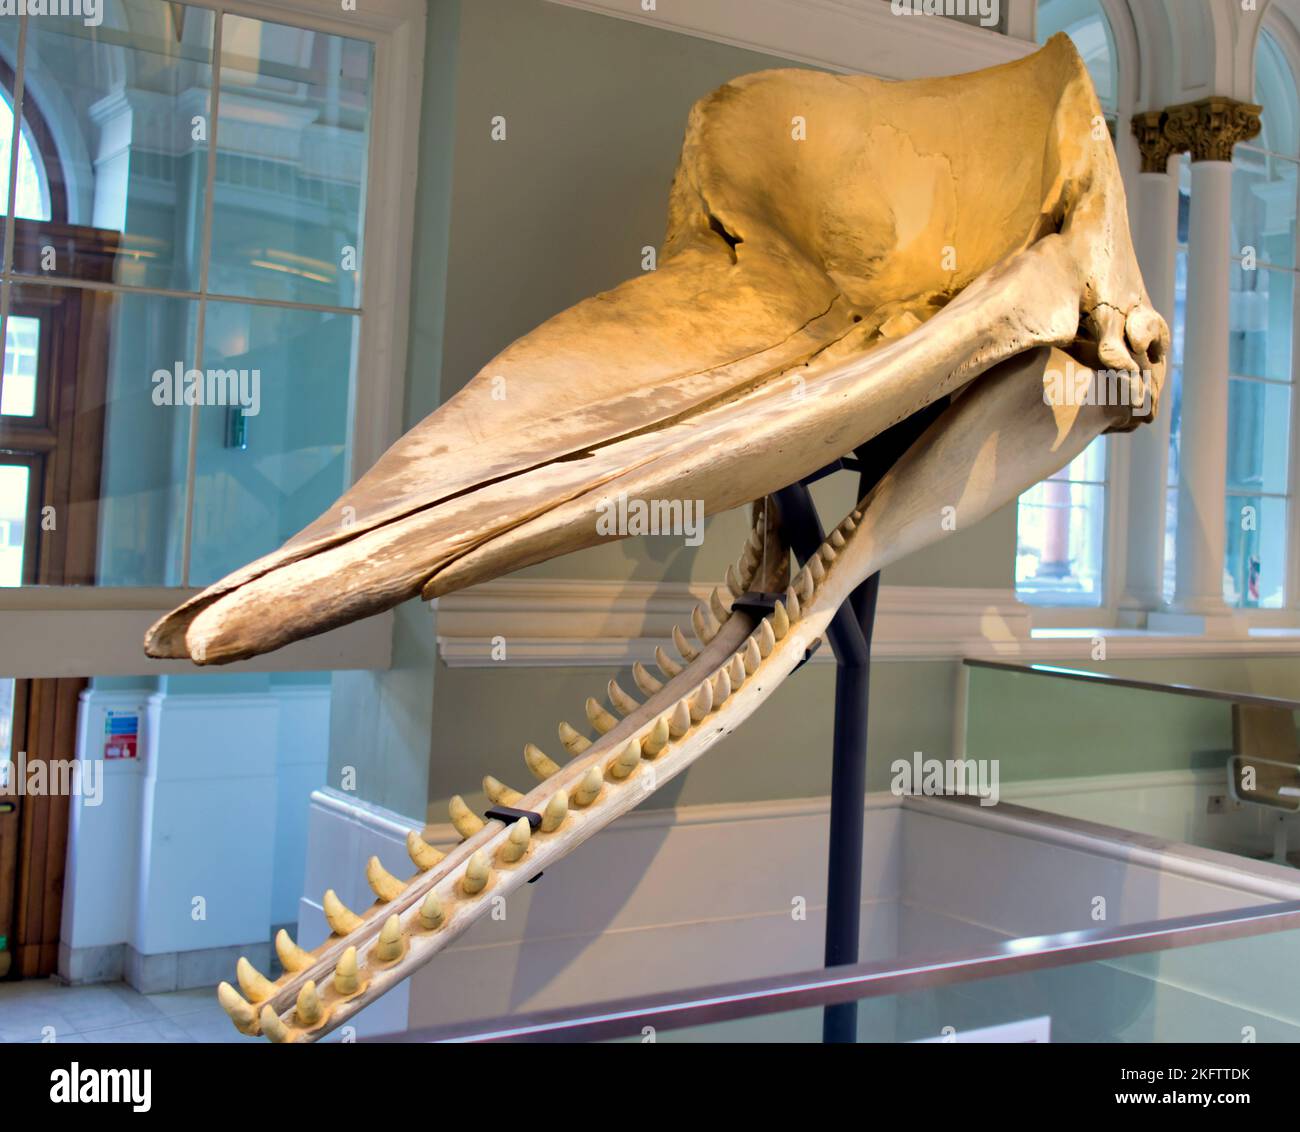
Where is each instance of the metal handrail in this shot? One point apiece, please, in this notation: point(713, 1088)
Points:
point(624, 1018)
point(1106, 679)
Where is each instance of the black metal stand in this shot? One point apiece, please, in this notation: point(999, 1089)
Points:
point(850, 636)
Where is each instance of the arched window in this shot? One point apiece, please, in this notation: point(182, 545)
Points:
point(1260, 344)
point(32, 198)
point(1061, 522)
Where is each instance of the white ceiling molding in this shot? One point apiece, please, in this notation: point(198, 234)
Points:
point(568, 623)
point(841, 35)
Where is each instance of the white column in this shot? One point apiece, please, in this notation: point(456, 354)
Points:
point(1156, 240)
point(1204, 440)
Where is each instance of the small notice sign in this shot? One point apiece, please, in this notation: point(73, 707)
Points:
point(121, 734)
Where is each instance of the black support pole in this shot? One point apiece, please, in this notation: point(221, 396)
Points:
point(850, 636)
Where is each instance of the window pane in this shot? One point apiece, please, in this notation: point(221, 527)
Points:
point(141, 509)
point(114, 113)
point(1264, 206)
point(292, 146)
point(1259, 416)
point(264, 474)
point(22, 348)
point(1173, 404)
point(1171, 543)
point(1180, 303)
point(1090, 464)
point(6, 718)
point(1275, 89)
point(1259, 323)
point(1059, 542)
point(1084, 21)
point(1254, 568)
point(14, 502)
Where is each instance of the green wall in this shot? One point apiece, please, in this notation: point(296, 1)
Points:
point(508, 233)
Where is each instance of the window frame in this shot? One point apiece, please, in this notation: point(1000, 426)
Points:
point(396, 28)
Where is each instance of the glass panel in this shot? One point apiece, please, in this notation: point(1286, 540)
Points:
point(1089, 465)
point(22, 350)
point(6, 718)
point(141, 514)
point(1171, 544)
point(1084, 21)
point(1259, 323)
point(1275, 88)
point(1177, 331)
point(271, 459)
point(139, 97)
point(14, 503)
point(1172, 402)
point(1259, 416)
point(1059, 534)
point(1254, 568)
point(292, 145)
point(1264, 206)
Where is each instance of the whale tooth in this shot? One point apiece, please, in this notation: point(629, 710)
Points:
point(499, 794)
point(667, 665)
point(478, 871)
point(817, 569)
point(292, 957)
point(557, 809)
point(256, 986)
point(792, 604)
point(521, 833)
point(599, 718)
point(807, 586)
point(753, 658)
point(766, 638)
point(308, 1007)
point(704, 623)
point(233, 1003)
point(341, 919)
point(733, 582)
point(623, 703)
point(541, 767)
point(687, 651)
point(679, 721)
point(346, 979)
point(721, 687)
point(647, 683)
point(827, 553)
point(720, 609)
point(849, 525)
point(382, 883)
point(780, 621)
point(466, 821)
point(736, 670)
point(431, 912)
point(389, 945)
point(838, 541)
point(626, 761)
point(423, 855)
point(574, 743)
point(656, 739)
point(702, 702)
point(587, 790)
point(272, 1027)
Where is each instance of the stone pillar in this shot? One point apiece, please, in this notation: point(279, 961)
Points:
point(1208, 129)
point(1156, 244)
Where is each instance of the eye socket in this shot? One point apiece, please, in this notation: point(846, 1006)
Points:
point(730, 238)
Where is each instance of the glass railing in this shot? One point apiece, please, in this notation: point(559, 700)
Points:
point(1221, 977)
point(1214, 767)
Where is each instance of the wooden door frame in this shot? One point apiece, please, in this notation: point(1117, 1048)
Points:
point(63, 443)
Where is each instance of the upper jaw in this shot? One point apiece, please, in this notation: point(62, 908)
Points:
point(758, 352)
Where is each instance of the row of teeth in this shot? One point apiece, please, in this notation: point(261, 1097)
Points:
point(314, 1004)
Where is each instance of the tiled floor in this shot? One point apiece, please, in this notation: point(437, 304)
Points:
point(40, 1009)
